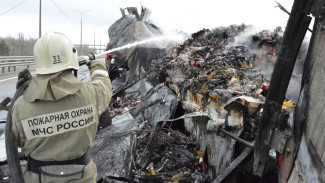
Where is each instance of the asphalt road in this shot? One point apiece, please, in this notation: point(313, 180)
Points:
point(8, 83)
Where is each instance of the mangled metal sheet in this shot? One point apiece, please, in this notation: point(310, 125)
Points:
point(113, 148)
point(120, 29)
point(145, 14)
point(237, 106)
point(135, 60)
point(158, 105)
point(308, 167)
point(133, 11)
point(218, 149)
point(131, 28)
point(245, 102)
point(140, 88)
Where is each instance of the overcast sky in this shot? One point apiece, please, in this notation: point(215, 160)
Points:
point(186, 15)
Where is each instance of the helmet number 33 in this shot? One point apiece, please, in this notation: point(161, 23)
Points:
point(57, 59)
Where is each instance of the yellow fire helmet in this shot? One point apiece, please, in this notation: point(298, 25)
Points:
point(54, 52)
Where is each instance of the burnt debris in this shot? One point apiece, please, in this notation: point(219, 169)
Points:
point(198, 108)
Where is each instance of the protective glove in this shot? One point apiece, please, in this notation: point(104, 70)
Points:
point(23, 76)
point(91, 56)
point(86, 59)
point(4, 104)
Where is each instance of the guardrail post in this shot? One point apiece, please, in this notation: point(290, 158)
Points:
point(13, 62)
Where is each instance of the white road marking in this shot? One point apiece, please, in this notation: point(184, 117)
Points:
point(87, 74)
point(12, 78)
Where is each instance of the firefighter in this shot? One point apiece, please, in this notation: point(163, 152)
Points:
point(56, 118)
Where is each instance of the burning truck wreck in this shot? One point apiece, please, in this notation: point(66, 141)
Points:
point(185, 112)
point(205, 109)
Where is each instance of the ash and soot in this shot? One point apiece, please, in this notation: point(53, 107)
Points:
point(183, 98)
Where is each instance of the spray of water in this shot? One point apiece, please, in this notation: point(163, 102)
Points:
point(174, 37)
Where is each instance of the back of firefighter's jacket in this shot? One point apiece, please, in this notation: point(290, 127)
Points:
point(61, 129)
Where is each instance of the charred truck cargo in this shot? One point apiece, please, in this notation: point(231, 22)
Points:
point(188, 114)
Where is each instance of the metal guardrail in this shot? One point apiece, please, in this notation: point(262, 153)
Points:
point(1, 57)
point(11, 62)
point(16, 63)
point(15, 58)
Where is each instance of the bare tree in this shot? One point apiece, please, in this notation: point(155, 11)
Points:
point(4, 49)
point(20, 46)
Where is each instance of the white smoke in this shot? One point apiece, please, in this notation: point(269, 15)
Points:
point(295, 81)
point(245, 37)
point(266, 68)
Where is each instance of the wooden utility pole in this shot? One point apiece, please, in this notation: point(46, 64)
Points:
point(293, 36)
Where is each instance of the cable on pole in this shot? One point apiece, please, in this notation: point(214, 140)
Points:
point(12, 8)
point(63, 12)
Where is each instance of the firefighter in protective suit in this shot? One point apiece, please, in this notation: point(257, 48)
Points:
point(56, 118)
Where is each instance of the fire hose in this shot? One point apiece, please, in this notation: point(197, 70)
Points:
point(10, 140)
point(85, 60)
